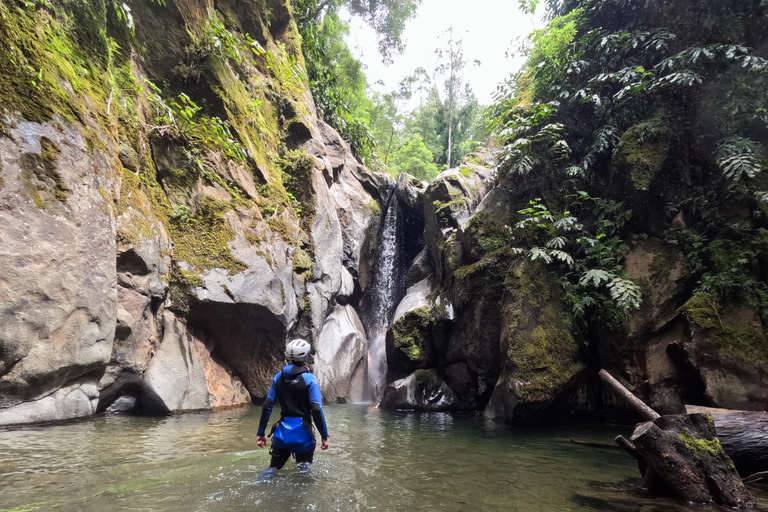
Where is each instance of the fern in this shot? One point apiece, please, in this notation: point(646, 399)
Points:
point(625, 293)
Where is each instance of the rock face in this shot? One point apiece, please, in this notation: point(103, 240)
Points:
point(340, 361)
point(150, 269)
point(539, 353)
point(183, 376)
point(58, 299)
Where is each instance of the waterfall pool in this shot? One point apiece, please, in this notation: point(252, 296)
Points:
point(378, 460)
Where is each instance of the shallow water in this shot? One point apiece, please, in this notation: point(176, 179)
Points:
point(377, 461)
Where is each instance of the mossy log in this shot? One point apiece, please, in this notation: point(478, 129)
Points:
point(681, 455)
point(685, 456)
point(743, 434)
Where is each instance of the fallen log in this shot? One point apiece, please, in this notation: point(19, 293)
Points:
point(744, 435)
point(684, 453)
point(637, 404)
point(681, 454)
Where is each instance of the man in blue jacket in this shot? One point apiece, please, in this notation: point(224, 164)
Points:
point(297, 392)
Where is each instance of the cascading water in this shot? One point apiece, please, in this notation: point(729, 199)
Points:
point(384, 299)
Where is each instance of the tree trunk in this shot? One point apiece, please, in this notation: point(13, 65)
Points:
point(684, 453)
point(743, 434)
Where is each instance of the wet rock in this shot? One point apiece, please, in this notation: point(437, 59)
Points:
point(122, 404)
point(640, 352)
point(58, 303)
point(340, 356)
point(728, 349)
point(409, 340)
point(183, 376)
point(420, 269)
point(449, 202)
point(423, 390)
point(539, 356)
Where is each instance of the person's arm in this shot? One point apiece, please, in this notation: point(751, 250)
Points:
point(266, 411)
point(316, 404)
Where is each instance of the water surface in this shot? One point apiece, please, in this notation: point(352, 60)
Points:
point(377, 461)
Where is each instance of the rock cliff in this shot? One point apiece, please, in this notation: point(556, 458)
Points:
point(173, 209)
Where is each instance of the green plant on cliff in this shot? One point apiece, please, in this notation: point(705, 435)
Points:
point(655, 105)
point(178, 118)
point(588, 263)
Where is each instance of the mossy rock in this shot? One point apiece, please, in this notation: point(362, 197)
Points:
point(737, 339)
point(410, 334)
point(643, 150)
point(537, 340)
point(203, 241)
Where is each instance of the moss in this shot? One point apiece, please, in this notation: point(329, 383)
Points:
point(204, 244)
point(428, 378)
point(186, 280)
point(644, 148)
point(741, 342)
point(444, 210)
point(701, 309)
point(54, 63)
point(40, 178)
point(302, 262)
point(465, 171)
point(540, 345)
point(409, 334)
point(228, 292)
point(278, 225)
point(701, 447)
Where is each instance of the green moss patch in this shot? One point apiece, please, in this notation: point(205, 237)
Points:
point(742, 342)
point(409, 334)
point(204, 241)
point(540, 345)
point(701, 447)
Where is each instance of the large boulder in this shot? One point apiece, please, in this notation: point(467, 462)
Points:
point(183, 375)
point(449, 202)
point(644, 352)
point(423, 390)
point(58, 299)
point(539, 356)
point(340, 356)
point(409, 341)
point(729, 351)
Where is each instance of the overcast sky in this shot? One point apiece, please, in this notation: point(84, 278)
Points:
point(487, 27)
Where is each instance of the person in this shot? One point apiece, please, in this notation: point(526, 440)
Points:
point(298, 393)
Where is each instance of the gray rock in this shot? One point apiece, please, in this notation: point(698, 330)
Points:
point(58, 300)
point(423, 390)
point(420, 269)
point(122, 404)
point(76, 399)
point(184, 377)
point(340, 360)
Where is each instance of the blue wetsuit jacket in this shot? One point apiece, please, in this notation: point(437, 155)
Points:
point(298, 393)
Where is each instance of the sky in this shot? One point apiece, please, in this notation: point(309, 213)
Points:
point(488, 28)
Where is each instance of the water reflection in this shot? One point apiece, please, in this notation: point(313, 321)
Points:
point(377, 461)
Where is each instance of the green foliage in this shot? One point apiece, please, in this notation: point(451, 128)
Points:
point(337, 81)
point(414, 158)
point(651, 103)
point(178, 118)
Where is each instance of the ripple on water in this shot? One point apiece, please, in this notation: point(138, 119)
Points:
point(377, 461)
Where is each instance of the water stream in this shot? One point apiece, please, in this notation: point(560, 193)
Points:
point(384, 301)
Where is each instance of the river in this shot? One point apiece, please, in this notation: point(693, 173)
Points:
point(377, 461)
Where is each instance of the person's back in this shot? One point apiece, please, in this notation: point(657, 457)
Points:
point(298, 393)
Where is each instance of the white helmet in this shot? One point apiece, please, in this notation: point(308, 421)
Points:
point(297, 350)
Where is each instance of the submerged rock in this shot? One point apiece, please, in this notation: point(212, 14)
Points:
point(423, 390)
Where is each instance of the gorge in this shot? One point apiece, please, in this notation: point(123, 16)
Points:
point(175, 205)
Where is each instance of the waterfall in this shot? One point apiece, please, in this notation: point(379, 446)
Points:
point(384, 298)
